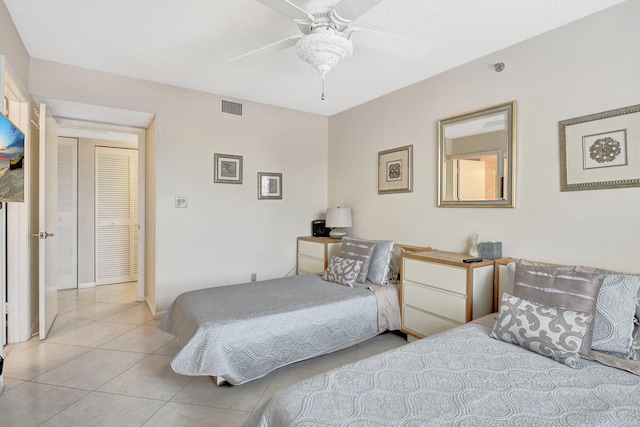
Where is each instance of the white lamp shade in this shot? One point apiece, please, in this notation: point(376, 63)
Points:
point(338, 217)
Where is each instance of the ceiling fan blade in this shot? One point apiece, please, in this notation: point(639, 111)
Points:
point(288, 8)
point(387, 42)
point(265, 50)
point(351, 9)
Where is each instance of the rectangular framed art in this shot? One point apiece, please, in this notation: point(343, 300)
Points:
point(395, 170)
point(601, 150)
point(11, 162)
point(269, 185)
point(227, 169)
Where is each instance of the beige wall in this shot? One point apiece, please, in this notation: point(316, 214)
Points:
point(86, 204)
point(586, 67)
point(226, 233)
point(12, 48)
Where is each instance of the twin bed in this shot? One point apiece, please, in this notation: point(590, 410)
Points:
point(242, 332)
point(460, 377)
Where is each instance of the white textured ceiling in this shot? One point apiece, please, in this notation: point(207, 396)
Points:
point(188, 43)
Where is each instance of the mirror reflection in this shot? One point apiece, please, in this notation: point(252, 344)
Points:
point(477, 158)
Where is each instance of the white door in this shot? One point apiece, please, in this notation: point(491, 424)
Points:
point(67, 235)
point(48, 220)
point(471, 180)
point(116, 215)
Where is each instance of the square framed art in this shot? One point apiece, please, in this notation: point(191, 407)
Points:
point(395, 170)
point(596, 151)
point(269, 185)
point(227, 169)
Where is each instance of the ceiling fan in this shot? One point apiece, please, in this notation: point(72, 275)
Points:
point(327, 37)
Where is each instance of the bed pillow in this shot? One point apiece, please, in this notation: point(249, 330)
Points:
point(380, 260)
point(394, 268)
point(628, 365)
point(561, 287)
point(613, 331)
point(636, 320)
point(358, 249)
point(343, 271)
point(548, 331)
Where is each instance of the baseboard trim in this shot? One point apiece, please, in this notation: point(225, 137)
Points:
point(152, 309)
point(35, 330)
point(86, 285)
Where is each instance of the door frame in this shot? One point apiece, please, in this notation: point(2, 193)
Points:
point(73, 128)
point(22, 297)
point(21, 294)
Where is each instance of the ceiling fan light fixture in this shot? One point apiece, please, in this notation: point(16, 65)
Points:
point(324, 48)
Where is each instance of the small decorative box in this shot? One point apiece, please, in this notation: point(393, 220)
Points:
point(490, 250)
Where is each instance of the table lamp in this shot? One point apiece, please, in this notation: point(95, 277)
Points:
point(336, 219)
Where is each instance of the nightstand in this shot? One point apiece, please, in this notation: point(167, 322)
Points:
point(314, 253)
point(440, 292)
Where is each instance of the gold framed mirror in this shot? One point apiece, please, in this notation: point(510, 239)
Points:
point(477, 158)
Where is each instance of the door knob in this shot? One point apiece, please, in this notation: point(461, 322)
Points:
point(43, 235)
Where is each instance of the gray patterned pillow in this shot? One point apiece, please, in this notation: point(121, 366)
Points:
point(562, 287)
point(380, 260)
point(613, 331)
point(358, 249)
point(549, 331)
point(343, 271)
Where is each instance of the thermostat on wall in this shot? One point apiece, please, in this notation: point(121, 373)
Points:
point(181, 202)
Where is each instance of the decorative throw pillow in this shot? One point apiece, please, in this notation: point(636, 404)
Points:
point(343, 271)
point(562, 287)
point(358, 249)
point(380, 260)
point(549, 331)
point(613, 331)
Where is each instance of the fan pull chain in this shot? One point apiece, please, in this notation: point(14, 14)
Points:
point(322, 96)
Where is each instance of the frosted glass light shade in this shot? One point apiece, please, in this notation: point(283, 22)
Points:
point(336, 219)
point(324, 48)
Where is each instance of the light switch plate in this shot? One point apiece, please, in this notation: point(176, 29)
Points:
point(181, 202)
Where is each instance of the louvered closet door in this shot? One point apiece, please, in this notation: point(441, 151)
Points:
point(67, 258)
point(134, 216)
point(116, 215)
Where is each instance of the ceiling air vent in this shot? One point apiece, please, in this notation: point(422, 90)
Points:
point(231, 108)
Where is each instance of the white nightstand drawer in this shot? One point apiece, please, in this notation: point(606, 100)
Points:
point(310, 265)
point(442, 276)
point(423, 323)
point(311, 249)
point(445, 304)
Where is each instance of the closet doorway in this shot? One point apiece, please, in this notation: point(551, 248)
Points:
point(99, 228)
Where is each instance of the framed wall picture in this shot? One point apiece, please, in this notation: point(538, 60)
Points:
point(395, 170)
point(269, 185)
point(227, 169)
point(11, 162)
point(600, 150)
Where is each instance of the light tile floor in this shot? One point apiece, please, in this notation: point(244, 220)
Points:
point(106, 363)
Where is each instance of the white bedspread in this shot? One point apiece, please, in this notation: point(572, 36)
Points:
point(458, 378)
point(243, 332)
